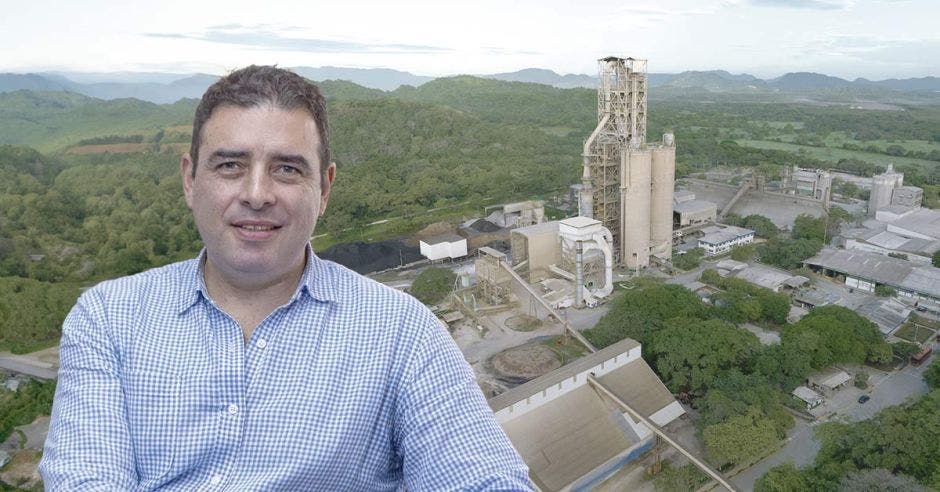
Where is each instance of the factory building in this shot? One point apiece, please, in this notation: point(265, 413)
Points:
point(687, 211)
point(569, 435)
point(628, 184)
point(812, 183)
point(717, 240)
point(577, 249)
point(897, 223)
point(888, 190)
point(918, 284)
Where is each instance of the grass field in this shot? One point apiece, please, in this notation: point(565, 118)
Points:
point(836, 139)
point(914, 333)
point(834, 155)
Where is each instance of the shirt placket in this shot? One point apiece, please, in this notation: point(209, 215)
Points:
point(231, 403)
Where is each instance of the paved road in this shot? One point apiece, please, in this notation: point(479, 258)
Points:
point(886, 389)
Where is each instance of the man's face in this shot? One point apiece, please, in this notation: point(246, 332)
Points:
point(257, 191)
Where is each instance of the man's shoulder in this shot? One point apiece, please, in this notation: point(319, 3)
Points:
point(169, 280)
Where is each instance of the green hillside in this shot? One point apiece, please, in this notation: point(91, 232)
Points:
point(53, 120)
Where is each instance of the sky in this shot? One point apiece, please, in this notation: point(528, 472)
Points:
point(874, 39)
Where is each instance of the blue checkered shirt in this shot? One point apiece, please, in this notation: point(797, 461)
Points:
point(349, 386)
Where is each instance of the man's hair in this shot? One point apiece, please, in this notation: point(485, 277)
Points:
point(256, 85)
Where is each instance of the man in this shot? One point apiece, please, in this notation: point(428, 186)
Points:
point(258, 366)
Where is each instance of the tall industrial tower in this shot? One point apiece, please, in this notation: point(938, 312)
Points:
point(628, 185)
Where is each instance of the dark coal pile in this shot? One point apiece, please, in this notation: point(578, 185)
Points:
point(483, 225)
point(371, 257)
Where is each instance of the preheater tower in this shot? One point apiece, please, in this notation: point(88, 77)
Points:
point(628, 185)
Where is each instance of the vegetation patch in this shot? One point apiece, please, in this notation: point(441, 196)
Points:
point(433, 284)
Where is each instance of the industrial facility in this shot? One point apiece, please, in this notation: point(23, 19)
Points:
point(627, 184)
point(897, 224)
point(568, 432)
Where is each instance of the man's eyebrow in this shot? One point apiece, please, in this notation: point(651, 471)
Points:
point(293, 159)
point(228, 154)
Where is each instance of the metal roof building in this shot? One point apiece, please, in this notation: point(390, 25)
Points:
point(568, 434)
point(865, 270)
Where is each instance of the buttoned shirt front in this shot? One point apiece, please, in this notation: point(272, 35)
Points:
point(349, 386)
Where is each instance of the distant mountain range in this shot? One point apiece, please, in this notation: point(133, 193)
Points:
point(167, 88)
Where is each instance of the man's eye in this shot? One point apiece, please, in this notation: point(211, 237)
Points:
point(227, 166)
point(287, 169)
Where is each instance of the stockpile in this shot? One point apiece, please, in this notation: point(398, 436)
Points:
point(371, 257)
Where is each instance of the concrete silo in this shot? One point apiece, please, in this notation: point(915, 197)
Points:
point(663, 180)
point(635, 192)
point(882, 186)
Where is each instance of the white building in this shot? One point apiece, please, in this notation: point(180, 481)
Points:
point(443, 246)
point(721, 241)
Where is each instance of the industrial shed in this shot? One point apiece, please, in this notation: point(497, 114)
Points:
point(443, 246)
point(918, 283)
point(569, 435)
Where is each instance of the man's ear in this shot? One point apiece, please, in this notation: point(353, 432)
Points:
point(187, 168)
point(326, 185)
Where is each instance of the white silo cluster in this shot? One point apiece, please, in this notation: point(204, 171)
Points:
point(882, 189)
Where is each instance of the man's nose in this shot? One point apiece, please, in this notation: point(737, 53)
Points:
point(256, 192)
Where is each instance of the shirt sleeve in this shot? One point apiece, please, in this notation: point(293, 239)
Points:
point(447, 435)
point(88, 446)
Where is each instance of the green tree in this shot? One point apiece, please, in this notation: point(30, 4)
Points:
point(762, 226)
point(879, 480)
point(433, 284)
point(744, 252)
point(904, 350)
point(690, 260)
point(935, 259)
point(679, 478)
point(782, 478)
point(932, 374)
point(689, 353)
point(640, 312)
point(809, 227)
point(740, 439)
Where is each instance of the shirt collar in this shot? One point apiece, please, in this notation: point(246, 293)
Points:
point(316, 280)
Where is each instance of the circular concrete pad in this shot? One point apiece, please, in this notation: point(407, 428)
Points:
point(520, 364)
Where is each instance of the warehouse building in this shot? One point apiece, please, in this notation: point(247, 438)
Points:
point(918, 284)
point(568, 434)
point(687, 211)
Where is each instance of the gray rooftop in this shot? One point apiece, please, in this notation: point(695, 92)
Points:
point(693, 206)
point(443, 238)
point(922, 221)
point(888, 314)
point(538, 229)
point(540, 383)
point(727, 234)
point(882, 269)
point(764, 276)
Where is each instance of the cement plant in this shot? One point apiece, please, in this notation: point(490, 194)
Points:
point(584, 418)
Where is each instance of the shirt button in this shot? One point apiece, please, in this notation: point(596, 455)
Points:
point(232, 409)
point(261, 343)
point(216, 479)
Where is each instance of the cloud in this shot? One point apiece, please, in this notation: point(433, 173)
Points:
point(803, 4)
point(263, 36)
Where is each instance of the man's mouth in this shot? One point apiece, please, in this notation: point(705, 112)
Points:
point(256, 226)
point(249, 227)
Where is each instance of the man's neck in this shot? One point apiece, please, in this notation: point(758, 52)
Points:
point(250, 300)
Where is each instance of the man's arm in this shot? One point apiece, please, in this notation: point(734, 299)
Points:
point(88, 446)
point(446, 432)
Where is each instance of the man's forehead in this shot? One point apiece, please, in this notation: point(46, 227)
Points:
point(260, 128)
